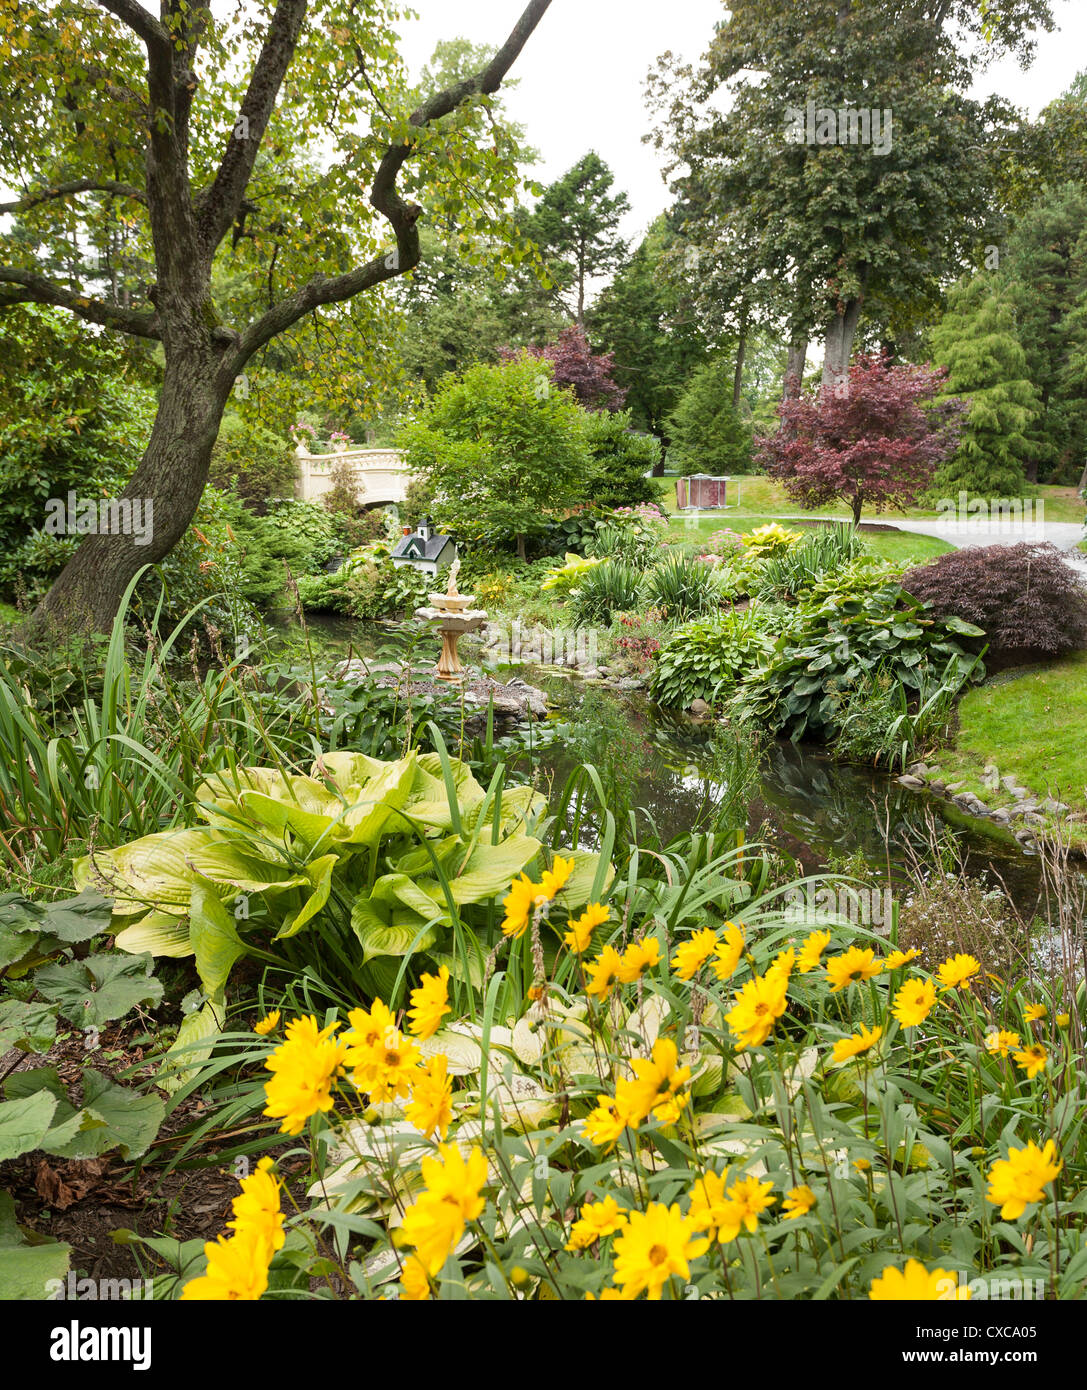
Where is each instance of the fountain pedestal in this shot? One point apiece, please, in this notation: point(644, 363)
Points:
point(454, 614)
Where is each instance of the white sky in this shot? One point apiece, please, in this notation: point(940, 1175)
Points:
point(582, 75)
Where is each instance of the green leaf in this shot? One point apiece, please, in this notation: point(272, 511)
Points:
point(492, 868)
point(25, 1269)
point(24, 1122)
point(160, 933)
point(387, 936)
point(112, 1117)
point(92, 992)
point(31, 1027)
point(214, 939)
point(192, 1047)
point(319, 873)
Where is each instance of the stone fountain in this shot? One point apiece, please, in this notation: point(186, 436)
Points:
point(454, 614)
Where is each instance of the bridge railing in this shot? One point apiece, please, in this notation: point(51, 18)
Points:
point(379, 474)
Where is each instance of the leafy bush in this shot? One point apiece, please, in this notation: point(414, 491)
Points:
point(562, 578)
point(376, 588)
point(631, 542)
point(787, 574)
point(325, 593)
point(252, 462)
point(75, 417)
point(682, 587)
point(346, 873)
point(771, 539)
point(1025, 597)
point(703, 660)
point(623, 461)
point(609, 588)
point(831, 647)
point(636, 641)
point(877, 725)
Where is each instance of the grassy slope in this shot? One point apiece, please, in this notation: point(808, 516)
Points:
point(1031, 726)
point(762, 496)
point(898, 546)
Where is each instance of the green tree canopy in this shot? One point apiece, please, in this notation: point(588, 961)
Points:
point(500, 448)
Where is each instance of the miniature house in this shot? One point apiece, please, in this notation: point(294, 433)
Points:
point(424, 550)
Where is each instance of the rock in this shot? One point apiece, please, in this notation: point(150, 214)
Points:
point(1001, 815)
point(699, 707)
point(954, 786)
point(1011, 785)
point(589, 673)
point(913, 782)
point(918, 769)
point(1055, 808)
point(938, 785)
point(991, 777)
point(630, 683)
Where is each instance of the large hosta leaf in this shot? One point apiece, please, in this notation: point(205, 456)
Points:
point(94, 991)
point(161, 933)
point(319, 875)
point(150, 872)
point(429, 800)
point(390, 932)
point(377, 802)
point(492, 868)
point(24, 1122)
point(422, 895)
point(192, 1046)
point(214, 938)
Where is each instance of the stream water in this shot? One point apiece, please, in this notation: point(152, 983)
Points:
point(817, 809)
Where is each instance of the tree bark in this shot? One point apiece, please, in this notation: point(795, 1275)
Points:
point(794, 368)
point(841, 332)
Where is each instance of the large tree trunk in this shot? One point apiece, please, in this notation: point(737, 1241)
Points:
point(168, 484)
point(841, 331)
point(794, 368)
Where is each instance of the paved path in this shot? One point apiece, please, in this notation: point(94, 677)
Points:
point(1065, 535)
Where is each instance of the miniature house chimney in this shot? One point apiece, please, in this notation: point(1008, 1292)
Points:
point(424, 527)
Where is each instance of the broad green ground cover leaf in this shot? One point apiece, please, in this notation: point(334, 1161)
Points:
point(93, 992)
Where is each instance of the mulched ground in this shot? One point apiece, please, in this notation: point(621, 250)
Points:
point(82, 1201)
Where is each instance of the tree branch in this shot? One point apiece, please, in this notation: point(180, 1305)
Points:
point(386, 199)
point(27, 287)
point(65, 190)
point(139, 20)
point(221, 203)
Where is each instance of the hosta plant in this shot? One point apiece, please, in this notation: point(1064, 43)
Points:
point(343, 875)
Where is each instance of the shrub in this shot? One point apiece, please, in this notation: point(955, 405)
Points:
point(703, 660)
point(376, 588)
point(682, 587)
point(636, 641)
point(771, 539)
point(786, 575)
point(623, 461)
point(708, 436)
point(635, 543)
point(253, 462)
point(833, 646)
point(561, 579)
point(613, 587)
point(1025, 597)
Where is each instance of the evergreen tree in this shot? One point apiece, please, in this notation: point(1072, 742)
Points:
point(987, 368)
point(641, 318)
point(576, 223)
point(708, 435)
point(1047, 269)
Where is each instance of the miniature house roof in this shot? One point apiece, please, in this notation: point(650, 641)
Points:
point(421, 545)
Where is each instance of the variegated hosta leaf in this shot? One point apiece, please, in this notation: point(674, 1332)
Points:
point(214, 938)
point(161, 933)
point(423, 896)
point(520, 807)
point(461, 1043)
point(372, 811)
point(192, 1046)
point(151, 872)
point(404, 934)
point(492, 868)
point(555, 1035)
point(522, 1102)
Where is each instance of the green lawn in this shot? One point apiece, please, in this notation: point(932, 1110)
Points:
point(898, 546)
point(761, 495)
point(1031, 726)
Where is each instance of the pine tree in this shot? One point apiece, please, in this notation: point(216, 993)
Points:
point(576, 223)
point(708, 435)
point(1047, 269)
point(976, 341)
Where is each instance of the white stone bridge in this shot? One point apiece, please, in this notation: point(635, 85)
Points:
point(380, 475)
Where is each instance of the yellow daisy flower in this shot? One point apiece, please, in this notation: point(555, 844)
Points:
point(598, 1221)
point(1017, 1181)
point(555, 879)
point(756, 1008)
point(798, 1202)
point(604, 972)
point(656, 1245)
point(692, 955)
point(958, 970)
point(897, 959)
point(520, 903)
point(430, 1004)
point(860, 1042)
point(1033, 1012)
point(639, 957)
point(916, 1284)
point(1000, 1043)
point(852, 966)
point(580, 934)
point(268, 1024)
point(811, 951)
point(914, 1002)
point(1032, 1060)
point(728, 953)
